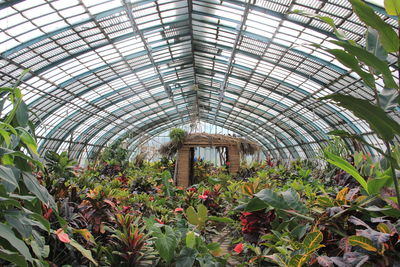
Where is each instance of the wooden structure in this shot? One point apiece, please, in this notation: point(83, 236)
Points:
point(185, 156)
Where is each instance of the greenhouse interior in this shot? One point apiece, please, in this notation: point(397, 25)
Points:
point(199, 133)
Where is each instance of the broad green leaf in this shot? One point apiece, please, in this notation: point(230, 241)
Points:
point(377, 119)
point(299, 231)
point(221, 219)
point(202, 212)
point(192, 216)
point(7, 159)
point(387, 35)
point(40, 252)
point(42, 220)
point(22, 197)
point(351, 62)
point(38, 190)
point(272, 199)
point(40, 241)
point(86, 253)
point(347, 167)
point(6, 136)
point(256, 204)
point(363, 242)
point(13, 257)
point(389, 99)
point(313, 240)
point(9, 202)
point(292, 198)
point(392, 7)
point(6, 125)
point(8, 175)
point(186, 257)
point(28, 140)
point(294, 213)
point(18, 244)
point(9, 152)
point(373, 45)
point(375, 185)
point(22, 164)
point(11, 115)
point(22, 114)
point(190, 239)
point(166, 244)
point(6, 89)
point(20, 222)
point(371, 61)
point(39, 247)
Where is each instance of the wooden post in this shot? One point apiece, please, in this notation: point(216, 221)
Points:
point(184, 166)
point(191, 167)
point(234, 159)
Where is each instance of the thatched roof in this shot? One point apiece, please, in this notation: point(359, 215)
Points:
point(246, 147)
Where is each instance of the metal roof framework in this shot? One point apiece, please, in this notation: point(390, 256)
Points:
point(101, 70)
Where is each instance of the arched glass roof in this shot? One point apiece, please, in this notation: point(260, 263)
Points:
point(104, 69)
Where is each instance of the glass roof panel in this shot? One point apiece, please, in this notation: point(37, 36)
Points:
point(101, 67)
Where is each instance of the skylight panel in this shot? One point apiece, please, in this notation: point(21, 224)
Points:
point(21, 28)
point(54, 26)
point(88, 56)
point(78, 102)
point(101, 90)
point(38, 11)
point(78, 18)
point(283, 42)
point(149, 24)
point(286, 37)
point(323, 55)
point(72, 11)
point(102, 6)
point(310, 86)
point(90, 96)
point(288, 102)
point(11, 18)
point(48, 19)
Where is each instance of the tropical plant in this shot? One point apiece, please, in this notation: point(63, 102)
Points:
point(256, 223)
point(60, 165)
point(197, 250)
point(300, 253)
point(97, 209)
point(115, 154)
point(177, 135)
point(21, 195)
point(60, 169)
point(129, 245)
point(199, 217)
point(370, 63)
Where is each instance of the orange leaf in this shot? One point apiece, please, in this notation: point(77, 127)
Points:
point(85, 233)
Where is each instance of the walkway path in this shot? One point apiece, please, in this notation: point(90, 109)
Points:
point(225, 240)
